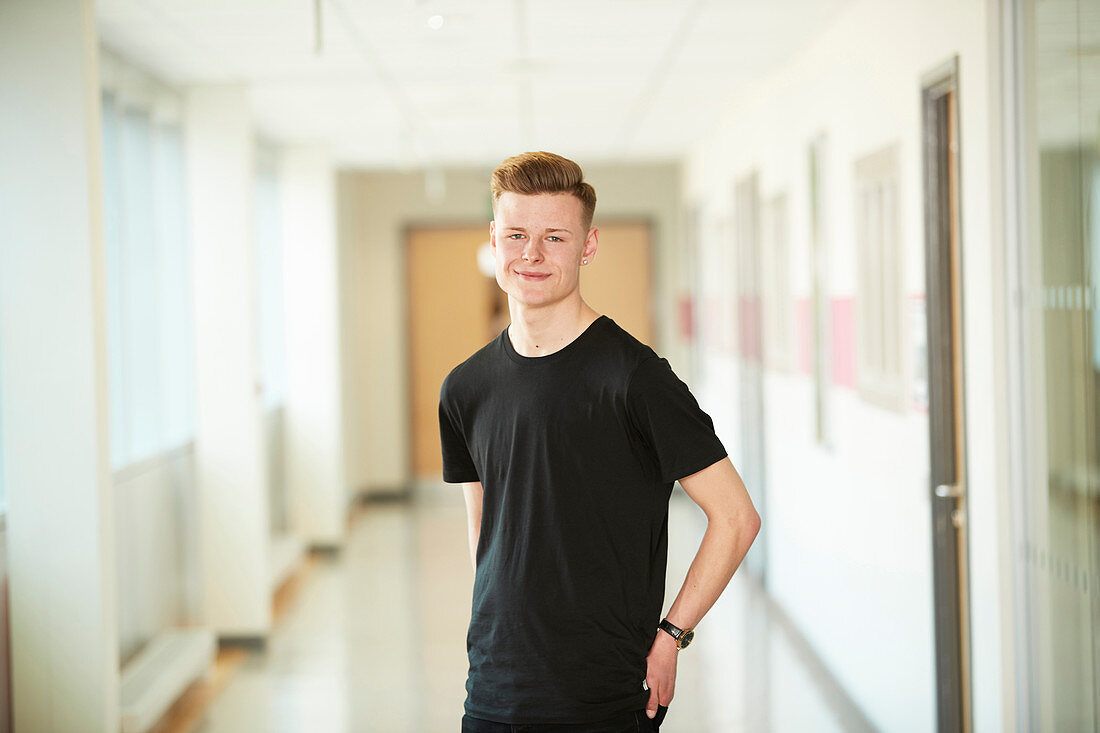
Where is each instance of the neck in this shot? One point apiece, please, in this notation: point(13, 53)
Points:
point(542, 331)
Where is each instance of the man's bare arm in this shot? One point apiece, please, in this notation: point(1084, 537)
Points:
point(732, 525)
point(473, 493)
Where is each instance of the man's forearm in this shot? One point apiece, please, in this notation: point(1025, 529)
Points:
point(732, 525)
point(725, 544)
point(473, 535)
point(731, 528)
point(474, 494)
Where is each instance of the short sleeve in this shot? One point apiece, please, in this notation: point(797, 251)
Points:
point(458, 467)
point(678, 432)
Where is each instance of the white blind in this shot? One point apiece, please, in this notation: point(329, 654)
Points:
point(150, 352)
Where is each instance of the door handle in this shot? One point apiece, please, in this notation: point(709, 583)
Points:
point(948, 491)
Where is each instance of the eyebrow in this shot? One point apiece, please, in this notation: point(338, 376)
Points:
point(522, 229)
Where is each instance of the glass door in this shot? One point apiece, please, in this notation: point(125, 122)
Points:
point(1055, 311)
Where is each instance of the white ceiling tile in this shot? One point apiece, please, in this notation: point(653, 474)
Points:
point(600, 78)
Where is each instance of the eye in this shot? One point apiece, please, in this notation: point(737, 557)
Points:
point(516, 235)
point(554, 239)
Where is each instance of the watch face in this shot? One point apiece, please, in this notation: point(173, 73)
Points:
point(686, 638)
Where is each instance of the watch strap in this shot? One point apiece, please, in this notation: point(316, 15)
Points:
point(675, 631)
point(683, 637)
point(671, 628)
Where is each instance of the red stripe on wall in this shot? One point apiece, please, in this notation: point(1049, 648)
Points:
point(843, 341)
point(842, 311)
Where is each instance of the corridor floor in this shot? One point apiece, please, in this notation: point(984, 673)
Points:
point(374, 640)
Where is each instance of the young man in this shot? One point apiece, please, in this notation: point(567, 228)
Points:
point(567, 435)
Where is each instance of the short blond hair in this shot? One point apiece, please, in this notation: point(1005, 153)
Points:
point(542, 172)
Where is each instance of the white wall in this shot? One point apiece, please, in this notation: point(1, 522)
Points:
point(60, 519)
point(375, 207)
point(230, 463)
point(313, 437)
point(848, 530)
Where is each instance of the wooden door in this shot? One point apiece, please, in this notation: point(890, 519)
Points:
point(449, 307)
point(619, 281)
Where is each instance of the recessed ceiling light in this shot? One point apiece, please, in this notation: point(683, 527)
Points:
point(435, 22)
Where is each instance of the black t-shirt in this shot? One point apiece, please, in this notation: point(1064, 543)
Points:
point(577, 452)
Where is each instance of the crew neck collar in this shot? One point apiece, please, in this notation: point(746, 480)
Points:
point(510, 350)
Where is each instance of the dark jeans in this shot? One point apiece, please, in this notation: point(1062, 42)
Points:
point(634, 722)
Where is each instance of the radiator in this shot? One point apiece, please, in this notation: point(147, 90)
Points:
point(160, 672)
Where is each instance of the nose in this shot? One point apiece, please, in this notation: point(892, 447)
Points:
point(532, 251)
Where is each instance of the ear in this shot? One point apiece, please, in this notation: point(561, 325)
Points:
point(492, 235)
point(590, 243)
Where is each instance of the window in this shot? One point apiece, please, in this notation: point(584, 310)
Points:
point(879, 313)
point(269, 258)
point(778, 345)
point(272, 344)
point(150, 354)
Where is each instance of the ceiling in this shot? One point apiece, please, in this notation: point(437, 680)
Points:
point(411, 83)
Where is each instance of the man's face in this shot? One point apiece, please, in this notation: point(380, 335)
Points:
point(538, 242)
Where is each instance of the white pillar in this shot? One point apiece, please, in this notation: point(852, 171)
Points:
point(314, 433)
point(53, 371)
point(229, 447)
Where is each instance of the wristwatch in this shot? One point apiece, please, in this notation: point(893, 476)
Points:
point(683, 637)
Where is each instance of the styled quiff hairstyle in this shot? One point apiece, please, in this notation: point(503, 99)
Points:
point(542, 172)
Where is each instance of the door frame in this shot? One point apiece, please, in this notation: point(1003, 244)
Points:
point(1019, 713)
point(940, 144)
point(820, 316)
point(750, 380)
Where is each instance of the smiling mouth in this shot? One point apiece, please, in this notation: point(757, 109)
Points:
point(533, 275)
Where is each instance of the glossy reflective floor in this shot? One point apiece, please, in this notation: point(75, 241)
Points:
point(374, 640)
